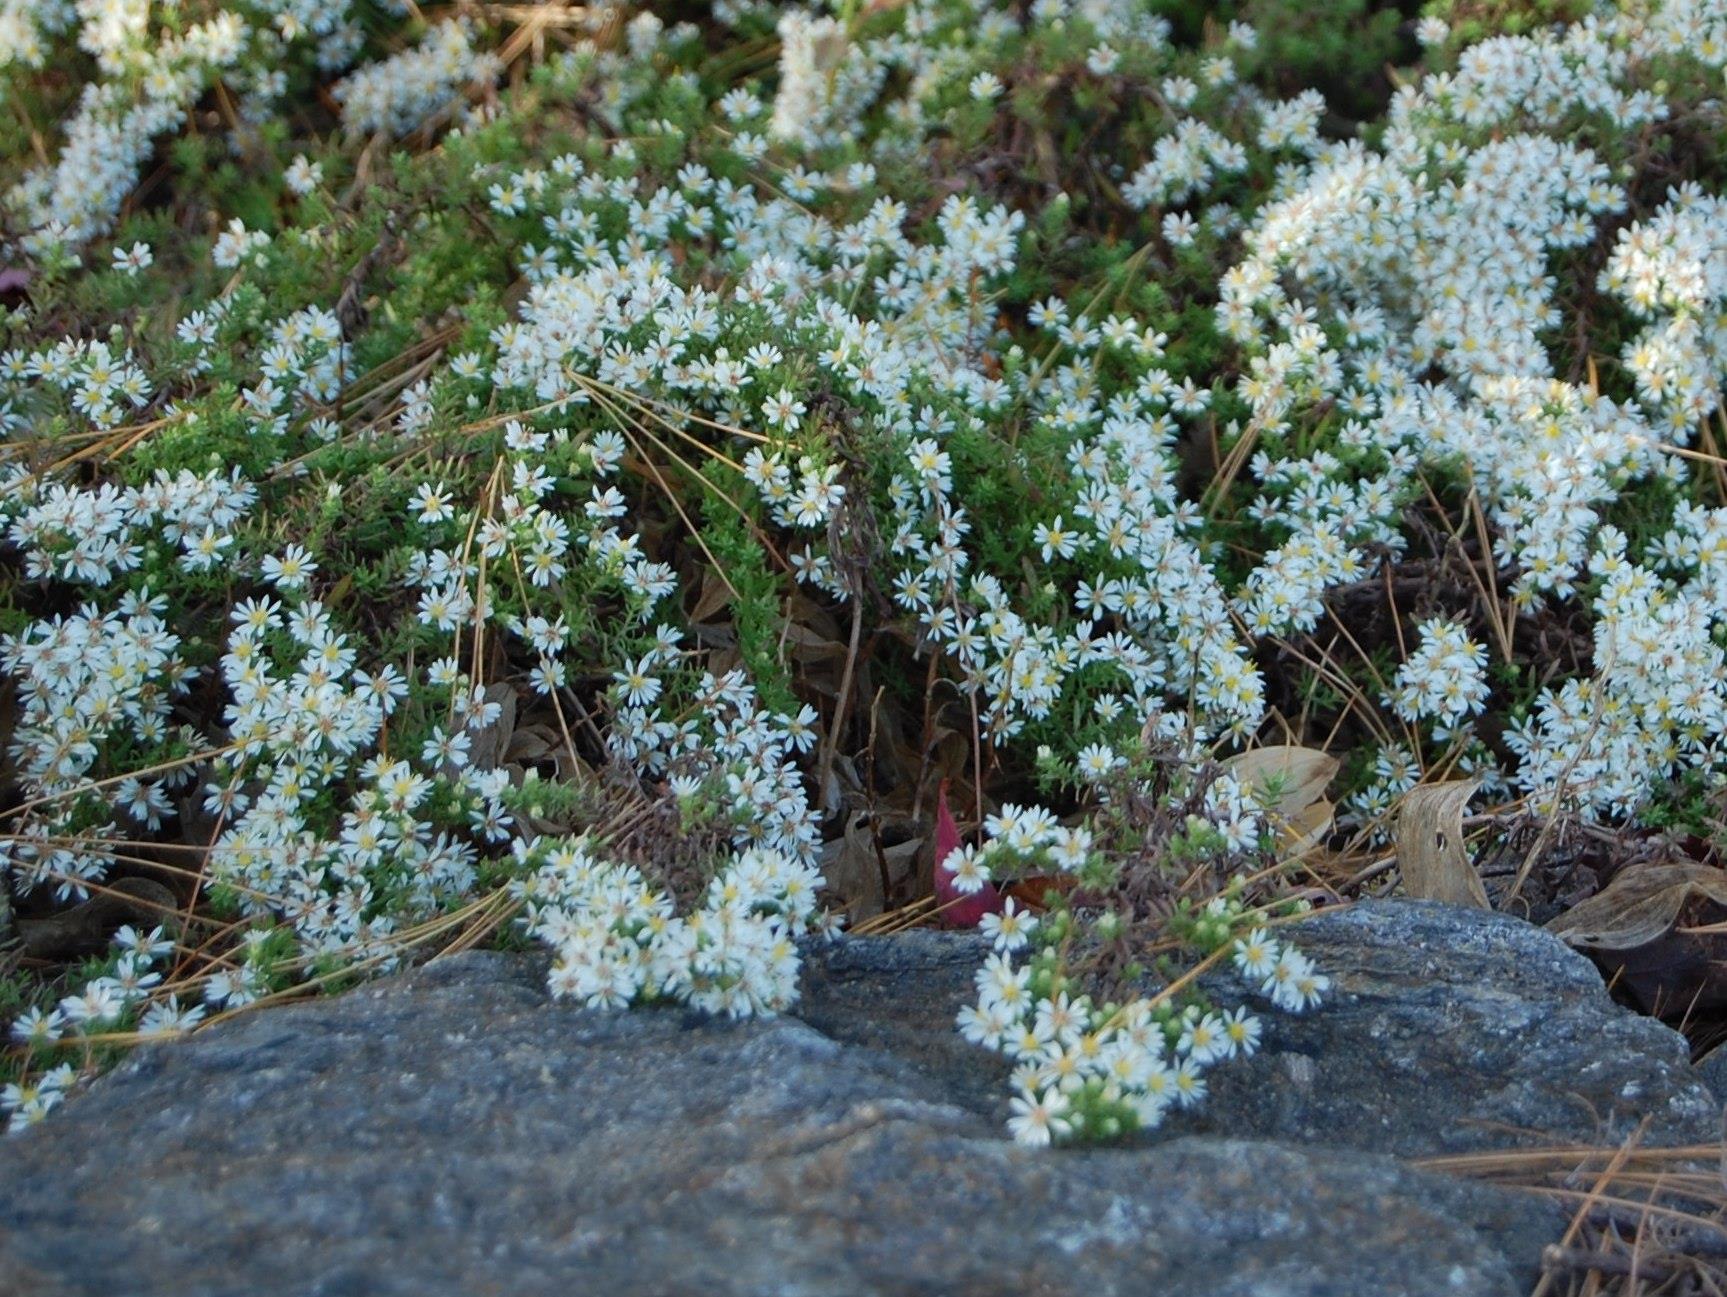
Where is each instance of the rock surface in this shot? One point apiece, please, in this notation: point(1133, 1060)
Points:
point(1712, 1067)
point(1447, 1030)
point(456, 1132)
point(1450, 1030)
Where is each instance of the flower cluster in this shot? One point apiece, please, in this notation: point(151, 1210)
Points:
point(1444, 678)
point(399, 93)
point(1671, 269)
point(109, 136)
point(112, 998)
point(1085, 1068)
point(84, 681)
point(95, 536)
point(618, 941)
point(1438, 250)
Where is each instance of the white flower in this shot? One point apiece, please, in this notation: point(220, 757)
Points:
point(1293, 984)
point(1257, 954)
point(1241, 1030)
point(1039, 1119)
point(132, 260)
point(290, 569)
point(985, 86)
point(1009, 929)
point(1052, 540)
point(637, 682)
point(433, 502)
point(968, 870)
point(304, 175)
point(38, 1027)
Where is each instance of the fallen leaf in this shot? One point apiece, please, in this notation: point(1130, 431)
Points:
point(828, 48)
point(1656, 933)
point(801, 610)
point(1640, 905)
point(531, 743)
point(1430, 852)
point(808, 646)
point(852, 869)
point(11, 943)
point(1294, 778)
point(1301, 832)
point(1034, 893)
point(87, 928)
point(715, 596)
point(340, 591)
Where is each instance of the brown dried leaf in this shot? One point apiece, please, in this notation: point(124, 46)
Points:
point(715, 596)
point(1034, 893)
point(1430, 853)
point(11, 944)
point(808, 646)
point(1301, 832)
point(801, 610)
point(852, 870)
point(1640, 905)
point(531, 743)
point(828, 48)
point(1300, 774)
point(86, 928)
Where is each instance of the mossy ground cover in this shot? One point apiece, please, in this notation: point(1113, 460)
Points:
point(669, 485)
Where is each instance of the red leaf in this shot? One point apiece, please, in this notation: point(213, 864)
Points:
point(958, 909)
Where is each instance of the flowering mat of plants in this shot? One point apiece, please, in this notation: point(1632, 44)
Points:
point(666, 485)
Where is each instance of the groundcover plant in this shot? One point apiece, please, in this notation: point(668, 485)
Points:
point(588, 476)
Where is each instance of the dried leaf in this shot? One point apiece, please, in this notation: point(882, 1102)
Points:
point(715, 596)
point(531, 743)
point(724, 658)
point(852, 870)
point(828, 48)
point(538, 743)
point(86, 928)
point(340, 591)
point(801, 610)
point(1299, 775)
point(1034, 893)
point(807, 646)
point(1430, 853)
point(1301, 832)
point(950, 758)
point(11, 944)
point(1640, 905)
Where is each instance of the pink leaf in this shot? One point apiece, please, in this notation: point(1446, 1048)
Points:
point(958, 909)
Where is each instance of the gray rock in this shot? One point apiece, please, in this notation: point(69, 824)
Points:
point(1448, 1030)
point(456, 1132)
point(1712, 1067)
